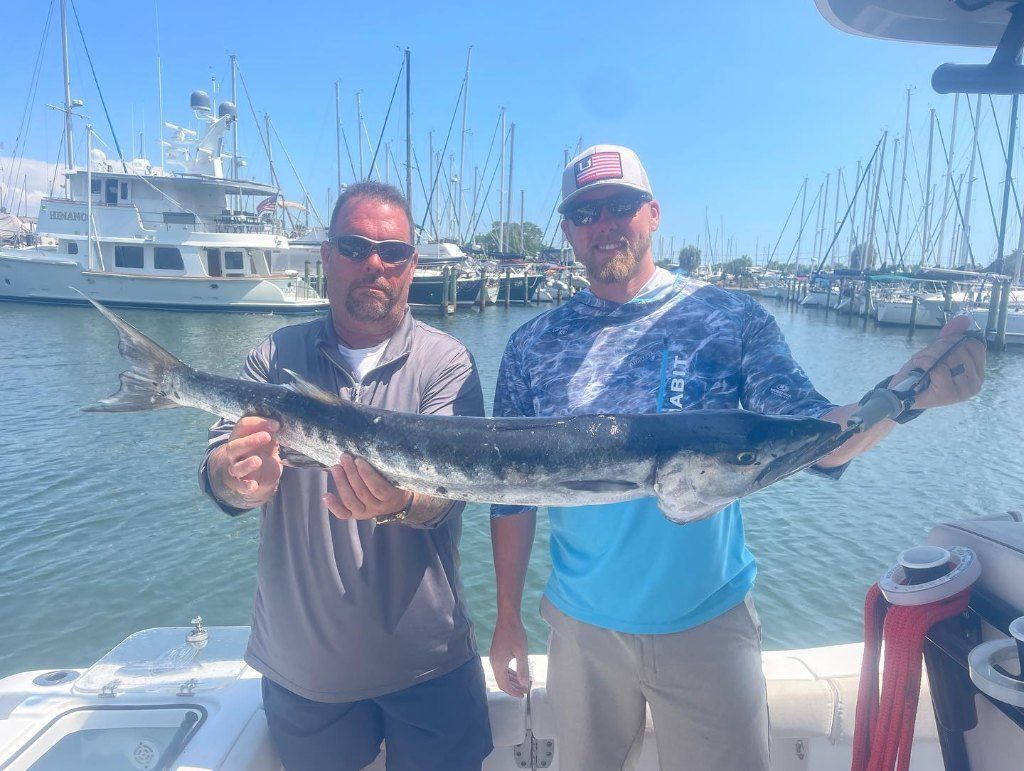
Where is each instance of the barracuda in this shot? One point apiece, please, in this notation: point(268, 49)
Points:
point(694, 462)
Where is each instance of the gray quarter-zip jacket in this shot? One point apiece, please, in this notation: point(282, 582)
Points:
point(348, 610)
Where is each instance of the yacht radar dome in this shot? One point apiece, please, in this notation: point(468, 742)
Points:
point(200, 102)
point(227, 108)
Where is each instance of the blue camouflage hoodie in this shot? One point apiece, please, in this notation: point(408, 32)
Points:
point(679, 344)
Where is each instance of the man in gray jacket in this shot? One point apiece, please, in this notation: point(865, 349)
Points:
point(359, 625)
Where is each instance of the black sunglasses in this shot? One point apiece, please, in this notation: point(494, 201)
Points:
point(618, 206)
point(359, 248)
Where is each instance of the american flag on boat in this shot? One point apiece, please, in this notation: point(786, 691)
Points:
point(602, 165)
point(267, 204)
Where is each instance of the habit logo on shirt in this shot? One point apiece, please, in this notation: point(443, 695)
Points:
point(676, 382)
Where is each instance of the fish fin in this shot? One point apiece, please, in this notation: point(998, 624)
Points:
point(144, 386)
point(295, 459)
point(600, 485)
point(304, 387)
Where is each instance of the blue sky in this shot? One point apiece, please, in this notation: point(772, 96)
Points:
point(729, 105)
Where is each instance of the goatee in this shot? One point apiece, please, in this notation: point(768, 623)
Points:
point(622, 267)
point(370, 306)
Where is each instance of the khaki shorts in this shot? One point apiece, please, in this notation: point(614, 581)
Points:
point(705, 688)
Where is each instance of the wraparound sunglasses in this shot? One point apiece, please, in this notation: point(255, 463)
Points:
point(359, 248)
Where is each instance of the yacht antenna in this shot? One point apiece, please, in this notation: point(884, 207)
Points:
point(70, 149)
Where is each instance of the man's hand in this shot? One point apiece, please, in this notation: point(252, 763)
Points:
point(958, 377)
point(507, 645)
point(245, 470)
point(362, 492)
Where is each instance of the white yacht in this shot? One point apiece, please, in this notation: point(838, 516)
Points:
point(132, 235)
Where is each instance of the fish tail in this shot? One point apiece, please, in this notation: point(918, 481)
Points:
point(148, 384)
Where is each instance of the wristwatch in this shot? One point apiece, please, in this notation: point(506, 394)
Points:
point(398, 516)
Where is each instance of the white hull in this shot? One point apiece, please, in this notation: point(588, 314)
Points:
point(54, 280)
point(817, 299)
point(131, 705)
point(811, 694)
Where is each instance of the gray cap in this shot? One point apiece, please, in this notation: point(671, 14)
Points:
point(602, 165)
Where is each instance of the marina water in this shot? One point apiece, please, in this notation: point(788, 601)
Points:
point(103, 530)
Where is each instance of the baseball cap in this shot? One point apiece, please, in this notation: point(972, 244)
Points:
point(602, 165)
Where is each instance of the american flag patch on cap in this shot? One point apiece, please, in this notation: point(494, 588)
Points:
point(598, 166)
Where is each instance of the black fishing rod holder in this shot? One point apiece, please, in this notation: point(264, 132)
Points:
point(947, 656)
point(1003, 75)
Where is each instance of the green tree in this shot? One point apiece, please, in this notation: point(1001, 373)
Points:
point(738, 267)
point(689, 259)
point(514, 242)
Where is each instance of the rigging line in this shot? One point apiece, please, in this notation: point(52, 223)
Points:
point(490, 184)
point(784, 224)
point(451, 123)
point(60, 154)
point(287, 155)
point(99, 91)
point(398, 177)
point(380, 138)
point(1004, 151)
point(881, 170)
point(255, 121)
point(473, 216)
point(348, 152)
point(803, 224)
point(554, 210)
point(30, 100)
point(423, 189)
point(984, 173)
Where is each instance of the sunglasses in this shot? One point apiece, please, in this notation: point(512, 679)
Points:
point(358, 249)
point(619, 206)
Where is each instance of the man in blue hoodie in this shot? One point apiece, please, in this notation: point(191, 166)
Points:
point(643, 611)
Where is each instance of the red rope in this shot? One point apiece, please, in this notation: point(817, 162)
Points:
point(885, 724)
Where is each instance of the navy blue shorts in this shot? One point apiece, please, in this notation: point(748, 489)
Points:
point(438, 724)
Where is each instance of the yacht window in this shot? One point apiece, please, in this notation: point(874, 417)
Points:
point(124, 191)
point(72, 247)
point(126, 256)
point(167, 258)
point(110, 194)
point(97, 185)
point(234, 261)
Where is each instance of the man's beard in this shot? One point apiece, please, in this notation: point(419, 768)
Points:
point(622, 267)
point(370, 306)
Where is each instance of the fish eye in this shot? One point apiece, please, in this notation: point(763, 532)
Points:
point(745, 458)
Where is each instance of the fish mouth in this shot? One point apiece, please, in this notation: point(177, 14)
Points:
point(822, 440)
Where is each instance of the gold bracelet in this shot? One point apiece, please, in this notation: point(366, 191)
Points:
point(398, 516)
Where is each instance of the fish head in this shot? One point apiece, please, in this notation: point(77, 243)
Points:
point(745, 452)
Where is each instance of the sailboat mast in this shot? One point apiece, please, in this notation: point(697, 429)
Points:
point(949, 177)
point(501, 189)
point(903, 174)
point(511, 166)
point(234, 124)
point(69, 140)
point(462, 144)
point(928, 191)
point(408, 132)
point(965, 239)
point(874, 204)
point(337, 130)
